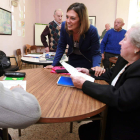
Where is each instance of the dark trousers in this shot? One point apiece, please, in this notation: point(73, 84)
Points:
point(79, 61)
point(107, 55)
point(90, 131)
point(1, 71)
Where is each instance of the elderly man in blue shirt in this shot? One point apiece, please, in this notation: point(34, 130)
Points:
point(110, 44)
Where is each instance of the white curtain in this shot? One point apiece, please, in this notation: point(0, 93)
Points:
point(134, 13)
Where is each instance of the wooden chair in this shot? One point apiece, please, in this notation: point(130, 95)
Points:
point(18, 52)
point(33, 49)
point(102, 117)
point(113, 60)
point(19, 55)
point(20, 63)
point(27, 49)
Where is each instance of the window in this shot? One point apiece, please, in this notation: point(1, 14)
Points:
point(134, 12)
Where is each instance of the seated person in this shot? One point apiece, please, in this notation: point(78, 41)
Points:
point(18, 108)
point(122, 95)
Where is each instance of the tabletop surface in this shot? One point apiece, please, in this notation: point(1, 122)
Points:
point(60, 103)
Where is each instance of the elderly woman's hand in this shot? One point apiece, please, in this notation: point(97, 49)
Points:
point(78, 81)
point(18, 86)
point(83, 70)
point(98, 71)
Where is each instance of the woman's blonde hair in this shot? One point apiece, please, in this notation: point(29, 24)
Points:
point(82, 12)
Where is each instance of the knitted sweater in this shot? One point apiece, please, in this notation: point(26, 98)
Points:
point(110, 42)
point(53, 32)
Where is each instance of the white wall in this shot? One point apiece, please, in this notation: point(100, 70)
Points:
point(9, 43)
point(123, 11)
point(105, 10)
point(41, 11)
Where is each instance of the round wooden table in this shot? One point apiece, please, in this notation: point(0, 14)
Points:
point(60, 103)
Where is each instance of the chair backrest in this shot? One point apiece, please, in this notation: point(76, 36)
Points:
point(19, 55)
point(18, 52)
point(33, 49)
point(27, 49)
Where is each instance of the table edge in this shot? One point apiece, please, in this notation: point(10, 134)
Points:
point(71, 119)
point(37, 63)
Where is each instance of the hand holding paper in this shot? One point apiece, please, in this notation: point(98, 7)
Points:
point(78, 81)
point(83, 70)
point(74, 72)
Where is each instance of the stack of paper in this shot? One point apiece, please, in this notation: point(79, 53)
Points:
point(9, 84)
point(13, 81)
point(42, 59)
point(33, 55)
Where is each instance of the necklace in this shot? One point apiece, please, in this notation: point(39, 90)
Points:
point(76, 37)
point(75, 44)
point(77, 32)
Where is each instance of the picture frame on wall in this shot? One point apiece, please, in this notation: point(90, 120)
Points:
point(5, 22)
point(92, 20)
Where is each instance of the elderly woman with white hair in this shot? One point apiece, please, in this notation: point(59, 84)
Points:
point(122, 95)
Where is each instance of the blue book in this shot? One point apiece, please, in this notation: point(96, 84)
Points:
point(65, 81)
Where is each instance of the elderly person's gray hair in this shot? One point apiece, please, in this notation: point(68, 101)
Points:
point(57, 10)
point(135, 35)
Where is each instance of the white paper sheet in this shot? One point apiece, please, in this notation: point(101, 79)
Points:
point(33, 55)
point(73, 71)
point(9, 84)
